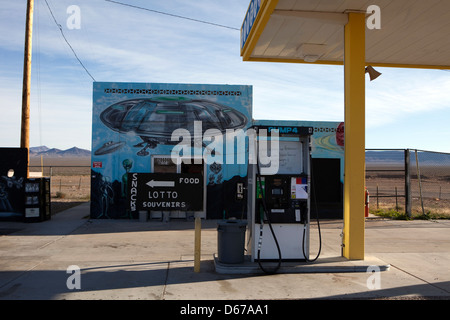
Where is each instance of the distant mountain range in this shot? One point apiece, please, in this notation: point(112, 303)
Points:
point(58, 153)
point(386, 156)
point(398, 156)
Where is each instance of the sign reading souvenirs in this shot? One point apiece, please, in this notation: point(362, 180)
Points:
point(165, 191)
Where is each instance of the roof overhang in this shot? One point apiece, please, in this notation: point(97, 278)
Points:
point(412, 34)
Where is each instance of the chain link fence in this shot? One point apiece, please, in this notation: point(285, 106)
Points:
point(66, 182)
point(430, 182)
point(416, 182)
point(405, 180)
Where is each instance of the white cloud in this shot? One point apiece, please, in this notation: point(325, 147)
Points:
point(402, 94)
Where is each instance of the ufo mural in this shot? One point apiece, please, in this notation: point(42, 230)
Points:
point(132, 128)
point(155, 119)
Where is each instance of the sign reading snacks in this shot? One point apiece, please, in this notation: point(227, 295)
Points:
point(165, 191)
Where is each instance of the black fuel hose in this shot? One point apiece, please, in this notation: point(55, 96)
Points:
point(318, 224)
point(271, 230)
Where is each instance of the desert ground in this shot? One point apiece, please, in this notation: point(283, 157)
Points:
point(70, 180)
point(434, 187)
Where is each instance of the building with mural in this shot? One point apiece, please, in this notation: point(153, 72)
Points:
point(191, 129)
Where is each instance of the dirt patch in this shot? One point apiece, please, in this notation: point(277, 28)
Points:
point(387, 192)
point(70, 178)
point(71, 187)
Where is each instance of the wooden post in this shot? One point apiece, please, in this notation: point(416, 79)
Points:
point(420, 184)
point(25, 125)
point(407, 184)
point(377, 197)
point(396, 199)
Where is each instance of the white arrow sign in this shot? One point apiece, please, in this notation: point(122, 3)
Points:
point(153, 183)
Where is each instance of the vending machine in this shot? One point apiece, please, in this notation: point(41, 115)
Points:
point(279, 193)
point(37, 199)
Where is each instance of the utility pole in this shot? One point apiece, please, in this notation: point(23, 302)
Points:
point(25, 125)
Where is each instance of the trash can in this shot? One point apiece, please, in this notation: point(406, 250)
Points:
point(231, 240)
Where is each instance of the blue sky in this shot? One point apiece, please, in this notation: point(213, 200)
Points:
point(405, 108)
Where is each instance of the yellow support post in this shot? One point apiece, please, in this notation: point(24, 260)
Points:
point(354, 168)
point(198, 242)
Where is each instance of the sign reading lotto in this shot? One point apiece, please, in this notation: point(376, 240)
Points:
point(165, 192)
point(250, 18)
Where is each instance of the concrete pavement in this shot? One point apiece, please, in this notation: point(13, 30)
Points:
point(133, 260)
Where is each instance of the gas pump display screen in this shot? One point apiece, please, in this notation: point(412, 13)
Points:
point(277, 191)
point(291, 160)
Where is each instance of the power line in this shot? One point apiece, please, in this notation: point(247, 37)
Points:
point(174, 15)
point(62, 33)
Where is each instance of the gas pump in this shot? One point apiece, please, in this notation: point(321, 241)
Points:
point(279, 202)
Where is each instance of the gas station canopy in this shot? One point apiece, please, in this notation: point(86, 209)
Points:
point(353, 33)
point(412, 34)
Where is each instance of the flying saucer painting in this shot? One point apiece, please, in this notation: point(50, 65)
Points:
point(109, 147)
point(154, 120)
